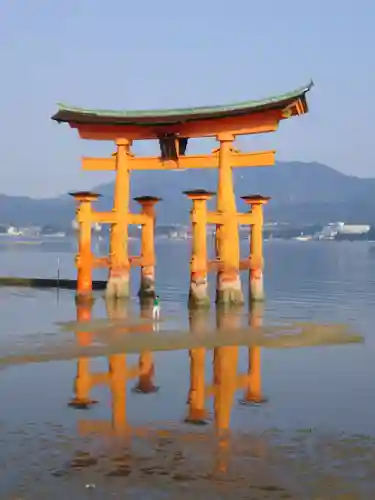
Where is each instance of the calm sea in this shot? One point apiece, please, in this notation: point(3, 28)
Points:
point(314, 426)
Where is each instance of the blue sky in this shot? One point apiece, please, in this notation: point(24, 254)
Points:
point(150, 54)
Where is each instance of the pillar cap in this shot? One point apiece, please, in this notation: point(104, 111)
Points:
point(85, 195)
point(255, 198)
point(147, 199)
point(199, 194)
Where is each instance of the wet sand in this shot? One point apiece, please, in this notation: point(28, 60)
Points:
point(106, 340)
point(191, 464)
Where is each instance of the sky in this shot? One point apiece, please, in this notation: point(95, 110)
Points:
point(154, 54)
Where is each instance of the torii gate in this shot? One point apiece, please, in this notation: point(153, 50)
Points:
point(173, 128)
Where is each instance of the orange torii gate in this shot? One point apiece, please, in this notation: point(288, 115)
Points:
point(173, 128)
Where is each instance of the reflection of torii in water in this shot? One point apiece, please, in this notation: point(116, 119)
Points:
point(226, 382)
point(118, 372)
point(226, 378)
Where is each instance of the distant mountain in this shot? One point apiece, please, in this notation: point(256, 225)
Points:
point(301, 193)
point(21, 210)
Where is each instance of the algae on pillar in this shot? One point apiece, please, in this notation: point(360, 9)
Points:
point(229, 290)
point(256, 285)
point(84, 259)
point(118, 285)
point(198, 293)
point(147, 285)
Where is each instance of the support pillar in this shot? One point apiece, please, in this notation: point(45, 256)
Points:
point(82, 383)
point(229, 290)
point(84, 259)
point(198, 294)
point(146, 364)
point(147, 285)
point(196, 401)
point(118, 280)
point(256, 286)
point(253, 392)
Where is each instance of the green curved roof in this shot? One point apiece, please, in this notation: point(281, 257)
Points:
point(68, 113)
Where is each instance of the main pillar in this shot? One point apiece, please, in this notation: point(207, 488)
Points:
point(198, 294)
point(256, 286)
point(118, 279)
point(228, 245)
point(84, 259)
point(147, 285)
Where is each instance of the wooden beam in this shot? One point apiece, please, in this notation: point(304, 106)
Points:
point(253, 123)
point(104, 217)
point(214, 218)
point(111, 218)
point(102, 164)
point(99, 378)
point(100, 262)
point(254, 159)
point(246, 219)
point(300, 108)
point(136, 261)
point(137, 219)
point(296, 108)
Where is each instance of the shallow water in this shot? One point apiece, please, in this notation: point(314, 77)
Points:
point(307, 429)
